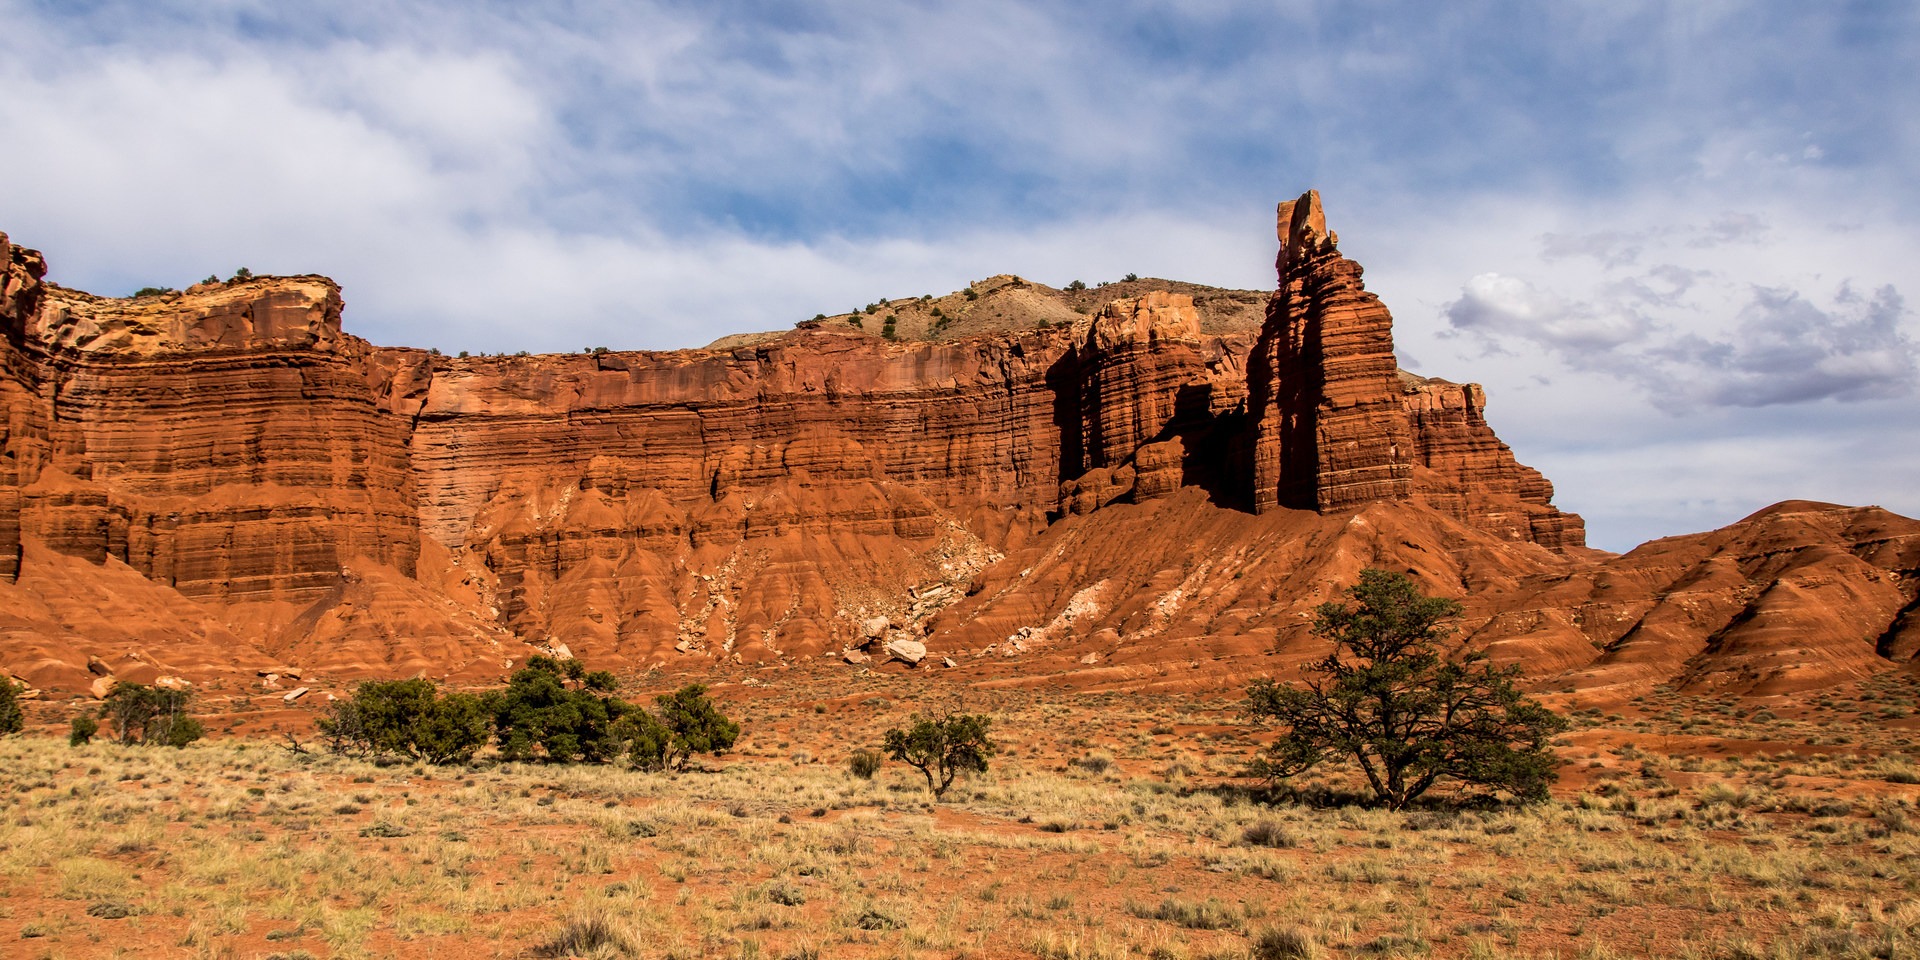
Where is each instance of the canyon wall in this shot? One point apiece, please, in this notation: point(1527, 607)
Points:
point(1127, 488)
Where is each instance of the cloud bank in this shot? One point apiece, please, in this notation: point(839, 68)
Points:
point(1647, 228)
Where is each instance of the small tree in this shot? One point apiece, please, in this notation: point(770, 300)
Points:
point(643, 740)
point(80, 730)
point(941, 747)
point(12, 718)
point(150, 715)
point(409, 718)
point(1409, 715)
point(561, 709)
point(695, 724)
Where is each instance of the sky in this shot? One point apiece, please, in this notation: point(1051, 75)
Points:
point(1676, 241)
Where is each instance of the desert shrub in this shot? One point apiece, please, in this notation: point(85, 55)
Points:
point(408, 718)
point(942, 747)
point(865, 763)
point(454, 729)
point(149, 715)
point(153, 292)
point(591, 935)
point(81, 730)
point(242, 274)
point(1285, 943)
point(694, 724)
point(12, 718)
point(560, 710)
point(1077, 286)
point(643, 740)
point(1269, 833)
point(1208, 914)
point(1409, 715)
point(1095, 762)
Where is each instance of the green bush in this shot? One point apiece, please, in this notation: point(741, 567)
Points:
point(694, 724)
point(149, 715)
point(81, 730)
point(408, 718)
point(559, 710)
point(643, 740)
point(942, 747)
point(555, 710)
point(12, 718)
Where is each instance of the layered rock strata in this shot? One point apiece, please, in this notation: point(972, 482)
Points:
point(1332, 432)
point(1129, 488)
point(1338, 425)
point(1463, 470)
point(227, 442)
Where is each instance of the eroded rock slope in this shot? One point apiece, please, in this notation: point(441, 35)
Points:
point(222, 482)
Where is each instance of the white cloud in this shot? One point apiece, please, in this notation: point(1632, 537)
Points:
point(1636, 224)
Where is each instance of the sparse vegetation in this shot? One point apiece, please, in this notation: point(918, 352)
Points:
point(153, 292)
point(12, 718)
point(943, 747)
point(1406, 713)
point(864, 763)
point(408, 718)
point(150, 715)
point(81, 729)
point(1664, 849)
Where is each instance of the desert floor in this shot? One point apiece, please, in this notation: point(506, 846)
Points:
point(1112, 825)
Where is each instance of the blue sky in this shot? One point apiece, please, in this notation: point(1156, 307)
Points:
point(1675, 241)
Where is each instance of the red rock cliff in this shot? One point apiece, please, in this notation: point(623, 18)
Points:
point(1331, 430)
point(378, 510)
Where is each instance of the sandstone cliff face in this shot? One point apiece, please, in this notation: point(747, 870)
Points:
point(1339, 425)
point(23, 428)
point(1332, 432)
point(1117, 497)
point(225, 442)
point(1461, 468)
point(1158, 405)
point(743, 503)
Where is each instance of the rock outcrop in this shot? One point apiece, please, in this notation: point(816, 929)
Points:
point(223, 483)
point(1461, 469)
point(1332, 432)
point(227, 442)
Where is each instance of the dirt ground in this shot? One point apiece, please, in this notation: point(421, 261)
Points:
point(1111, 825)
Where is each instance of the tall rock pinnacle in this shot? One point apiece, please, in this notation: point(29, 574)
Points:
point(1325, 392)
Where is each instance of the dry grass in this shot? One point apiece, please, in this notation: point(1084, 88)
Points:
point(1108, 848)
